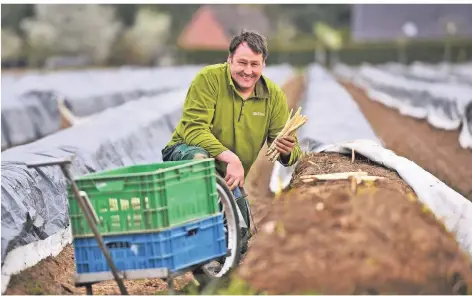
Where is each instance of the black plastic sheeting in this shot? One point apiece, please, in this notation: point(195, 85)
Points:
point(433, 73)
point(87, 106)
point(31, 116)
point(468, 116)
point(465, 137)
point(333, 116)
point(30, 112)
point(80, 84)
point(442, 104)
point(34, 202)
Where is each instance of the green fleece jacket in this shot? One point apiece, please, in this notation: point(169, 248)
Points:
point(216, 118)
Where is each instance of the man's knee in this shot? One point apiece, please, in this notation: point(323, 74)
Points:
point(184, 152)
point(200, 155)
point(187, 152)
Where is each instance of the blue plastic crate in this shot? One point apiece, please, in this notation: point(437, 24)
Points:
point(174, 248)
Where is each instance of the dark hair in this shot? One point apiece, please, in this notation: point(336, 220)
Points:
point(256, 42)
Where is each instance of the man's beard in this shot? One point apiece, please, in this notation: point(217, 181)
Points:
point(239, 87)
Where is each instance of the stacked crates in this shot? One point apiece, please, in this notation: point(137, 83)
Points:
point(161, 215)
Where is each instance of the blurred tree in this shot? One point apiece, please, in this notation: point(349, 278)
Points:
point(126, 13)
point(12, 45)
point(285, 31)
point(141, 43)
point(327, 35)
point(71, 29)
point(13, 14)
point(40, 39)
point(181, 14)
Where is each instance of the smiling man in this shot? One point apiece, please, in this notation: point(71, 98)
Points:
point(230, 111)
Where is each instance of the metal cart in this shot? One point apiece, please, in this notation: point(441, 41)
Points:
point(204, 271)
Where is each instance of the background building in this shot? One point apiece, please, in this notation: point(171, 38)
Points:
point(384, 22)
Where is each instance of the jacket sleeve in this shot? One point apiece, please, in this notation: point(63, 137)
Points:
point(199, 108)
point(278, 118)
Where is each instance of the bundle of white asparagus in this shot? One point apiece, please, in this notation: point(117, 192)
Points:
point(290, 129)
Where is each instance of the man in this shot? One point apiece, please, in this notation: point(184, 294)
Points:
point(230, 110)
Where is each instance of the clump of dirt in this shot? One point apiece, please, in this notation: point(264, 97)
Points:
point(142, 286)
point(50, 276)
point(325, 238)
point(55, 276)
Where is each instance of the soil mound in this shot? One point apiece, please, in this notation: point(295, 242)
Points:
point(326, 237)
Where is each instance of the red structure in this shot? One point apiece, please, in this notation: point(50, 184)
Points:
point(213, 26)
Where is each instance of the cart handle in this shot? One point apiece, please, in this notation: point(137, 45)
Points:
point(59, 162)
point(90, 207)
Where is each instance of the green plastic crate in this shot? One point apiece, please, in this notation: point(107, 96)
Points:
point(146, 197)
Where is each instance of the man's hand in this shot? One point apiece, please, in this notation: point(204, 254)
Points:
point(285, 145)
point(234, 175)
point(234, 170)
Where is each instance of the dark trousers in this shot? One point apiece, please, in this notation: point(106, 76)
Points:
point(185, 152)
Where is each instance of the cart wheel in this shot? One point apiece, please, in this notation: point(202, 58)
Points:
point(218, 268)
point(88, 289)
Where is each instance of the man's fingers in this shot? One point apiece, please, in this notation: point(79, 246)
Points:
point(282, 151)
point(287, 142)
point(291, 139)
point(282, 146)
point(234, 184)
point(230, 180)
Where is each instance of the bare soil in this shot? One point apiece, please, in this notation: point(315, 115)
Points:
point(437, 151)
point(324, 238)
point(54, 275)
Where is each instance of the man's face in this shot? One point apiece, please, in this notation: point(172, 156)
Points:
point(246, 67)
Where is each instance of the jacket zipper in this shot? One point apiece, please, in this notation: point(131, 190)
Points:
point(240, 113)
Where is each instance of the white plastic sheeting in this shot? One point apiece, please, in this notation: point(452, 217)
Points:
point(464, 72)
point(28, 255)
point(442, 104)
